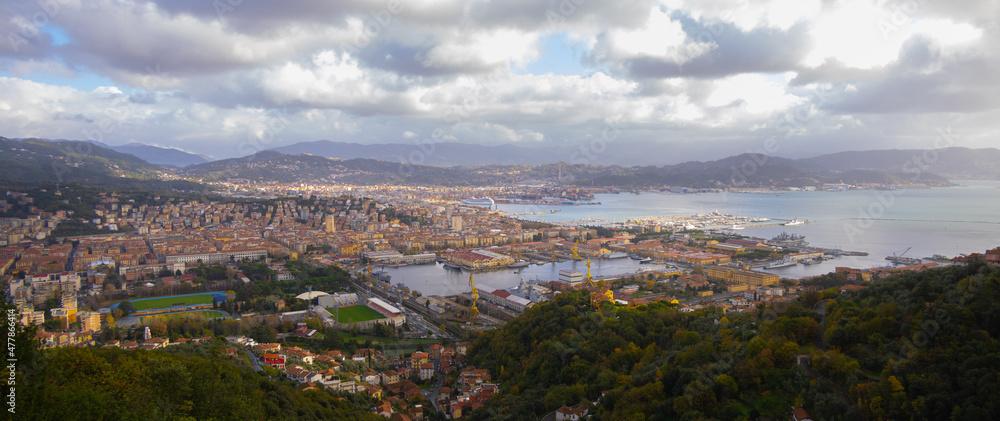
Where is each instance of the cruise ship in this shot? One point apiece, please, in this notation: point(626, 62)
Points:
point(484, 201)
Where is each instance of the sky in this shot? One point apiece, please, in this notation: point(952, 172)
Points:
point(699, 79)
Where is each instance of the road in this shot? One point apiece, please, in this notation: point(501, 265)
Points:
point(432, 394)
point(253, 360)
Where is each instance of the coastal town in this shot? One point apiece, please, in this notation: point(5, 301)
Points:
point(244, 268)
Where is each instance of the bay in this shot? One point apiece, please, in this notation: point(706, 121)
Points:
point(948, 221)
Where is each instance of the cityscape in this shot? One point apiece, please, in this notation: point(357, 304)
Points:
point(471, 210)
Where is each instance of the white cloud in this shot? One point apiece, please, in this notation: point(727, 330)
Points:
point(753, 93)
point(187, 78)
point(660, 37)
point(484, 51)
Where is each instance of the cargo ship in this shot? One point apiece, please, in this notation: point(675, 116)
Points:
point(484, 201)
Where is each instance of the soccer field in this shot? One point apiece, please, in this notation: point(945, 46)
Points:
point(206, 314)
point(163, 302)
point(353, 314)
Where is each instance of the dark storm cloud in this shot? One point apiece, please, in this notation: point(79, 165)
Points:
point(762, 50)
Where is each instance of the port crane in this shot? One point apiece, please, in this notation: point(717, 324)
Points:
point(901, 254)
point(587, 278)
point(475, 297)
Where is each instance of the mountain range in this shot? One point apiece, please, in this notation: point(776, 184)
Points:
point(34, 160)
point(952, 163)
point(159, 155)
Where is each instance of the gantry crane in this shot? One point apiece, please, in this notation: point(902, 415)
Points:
point(473, 310)
point(588, 279)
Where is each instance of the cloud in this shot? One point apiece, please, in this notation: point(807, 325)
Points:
point(703, 77)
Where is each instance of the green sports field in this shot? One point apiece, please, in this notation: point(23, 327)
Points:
point(164, 302)
point(353, 314)
point(200, 314)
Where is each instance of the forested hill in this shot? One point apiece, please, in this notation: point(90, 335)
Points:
point(112, 384)
point(913, 346)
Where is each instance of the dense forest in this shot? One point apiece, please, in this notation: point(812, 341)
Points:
point(920, 345)
point(182, 382)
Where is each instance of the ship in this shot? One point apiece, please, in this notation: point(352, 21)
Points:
point(452, 267)
point(905, 261)
point(634, 256)
point(784, 262)
point(615, 255)
point(646, 260)
point(382, 276)
point(786, 239)
point(793, 222)
point(521, 264)
point(737, 227)
point(484, 201)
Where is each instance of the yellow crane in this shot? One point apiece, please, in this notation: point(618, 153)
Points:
point(475, 297)
point(587, 278)
point(370, 277)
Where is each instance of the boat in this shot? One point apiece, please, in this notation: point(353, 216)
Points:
point(905, 261)
point(634, 256)
point(615, 255)
point(484, 201)
point(793, 222)
point(521, 264)
point(785, 262)
point(737, 227)
point(555, 210)
point(452, 266)
point(382, 276)
point(646, 260)
point(786, 239)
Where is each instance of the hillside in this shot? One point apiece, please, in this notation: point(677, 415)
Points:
point(912, 346)
point(951, 163)
point(746, 170)
point(189, 382)
point(159, 156)
point(68, 162)
point(268, 166)
point(445, 154)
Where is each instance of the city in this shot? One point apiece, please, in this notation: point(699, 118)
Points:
point(480, 210)
point(310, 270)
